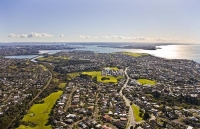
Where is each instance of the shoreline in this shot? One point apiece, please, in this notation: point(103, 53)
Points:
point(188, 52)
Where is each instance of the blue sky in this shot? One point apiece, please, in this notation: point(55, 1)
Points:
point(100, 21)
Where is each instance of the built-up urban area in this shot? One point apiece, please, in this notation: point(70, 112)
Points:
point(89, 90)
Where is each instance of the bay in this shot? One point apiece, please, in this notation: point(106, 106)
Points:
point(190, 52)
point(21, 56)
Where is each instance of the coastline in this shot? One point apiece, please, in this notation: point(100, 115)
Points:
point(189, 52)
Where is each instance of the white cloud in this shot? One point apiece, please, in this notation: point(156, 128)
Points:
point(165, 39)
point(105, 37)
point(140, 38)
point(23, 36)
point(11, 35)
point(113, 37)
point(146, 39)
point(84, 37)
point(31, 35)
point(62, 35)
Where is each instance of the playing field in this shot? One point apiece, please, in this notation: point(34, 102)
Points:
point(38, 114)
point(146, 81)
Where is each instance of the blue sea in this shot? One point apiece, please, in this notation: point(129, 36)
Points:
point(190, 52)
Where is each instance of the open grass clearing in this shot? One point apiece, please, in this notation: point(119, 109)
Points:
point(135, 54)
point(112, 68)
point(72, 75)
point(53, 58)
point(136, 112)
point(55, 80)
point(104, 79)
point(93, 73)
point(120, 77)
point(62, 85)
point(146, 82)
point(38, 114)
point(43, 67)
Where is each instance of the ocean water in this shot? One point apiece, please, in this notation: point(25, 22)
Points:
point(190, 52)
point(21, 56)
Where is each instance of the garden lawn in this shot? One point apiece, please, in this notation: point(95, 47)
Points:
point(38, 114)
point(136, 112)
point(146, 81)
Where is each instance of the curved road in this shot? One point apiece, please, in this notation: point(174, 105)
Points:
point(131, 121)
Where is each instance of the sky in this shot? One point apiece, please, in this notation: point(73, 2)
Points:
point(176, 21)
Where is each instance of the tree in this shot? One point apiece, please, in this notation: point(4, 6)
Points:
point(156, 94)
point(146, 115)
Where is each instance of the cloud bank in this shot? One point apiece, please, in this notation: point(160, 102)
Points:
point(62, 35)
point(31, 35)
point(131, 38)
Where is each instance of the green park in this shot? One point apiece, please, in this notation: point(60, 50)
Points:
point(38, 114)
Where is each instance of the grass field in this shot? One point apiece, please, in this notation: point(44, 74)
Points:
point(112, 68)
point(72, 75)
point(135, 54)
point(93, 73)
point(109, 79)
point(136, 112)
point(44, 68)
point(146, 81)
point(99, 77)
point(62, 85)
point(38, 114)
point(53, 59)
point(55, 80)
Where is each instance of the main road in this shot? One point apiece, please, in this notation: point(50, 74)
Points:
point(131, 121)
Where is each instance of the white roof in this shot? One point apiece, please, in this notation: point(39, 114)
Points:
point(107, 68)
point(190, 127)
